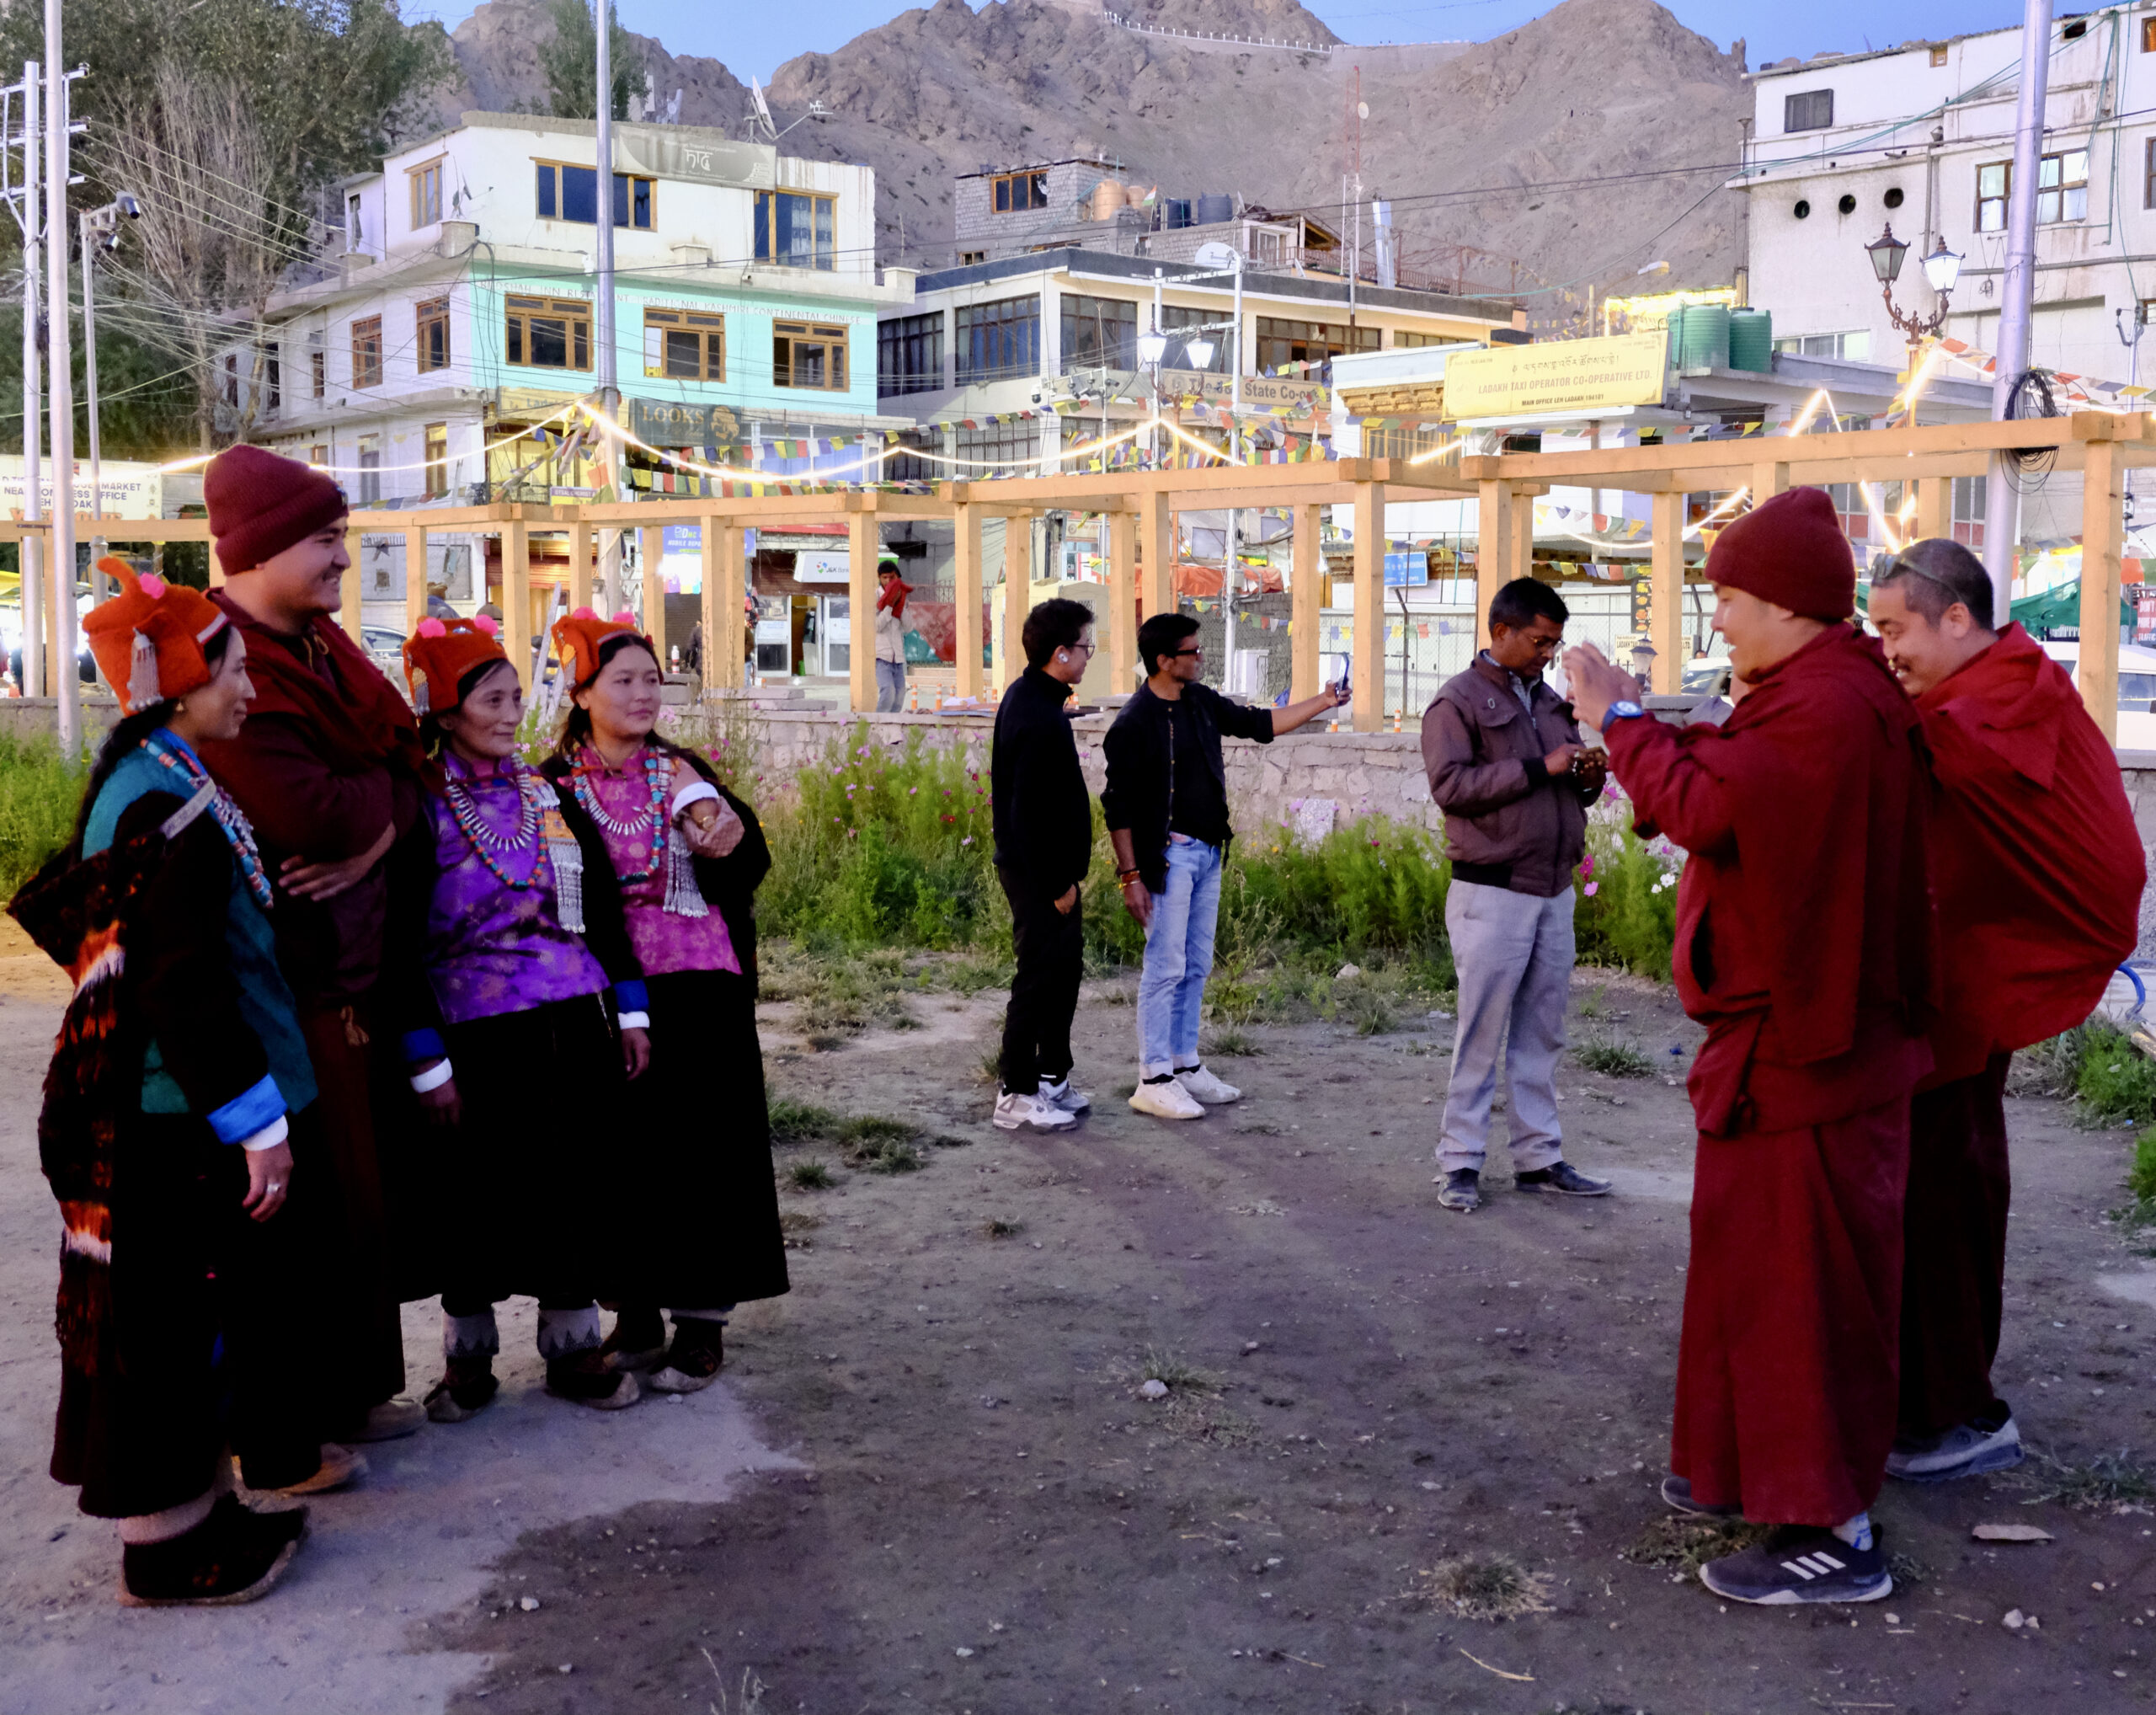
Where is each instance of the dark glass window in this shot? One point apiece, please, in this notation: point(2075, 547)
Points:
point(909, 354)
point(996, 341)
point(1100, 332)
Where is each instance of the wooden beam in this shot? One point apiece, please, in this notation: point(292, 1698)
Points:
point(1665, 595)
point(651, 550)
point(1305, 597)
point(1493, 537)
point(1769, 477)
point(967, 596)
point(1122, 602)
point(580, 565)
point(1519, 556)
point(517, 597)
point(731, 636)
point(2103, 534)
point(349, 587)
point(712, 532)
point(1017, 594)
point(1156, 554)
point(1369, 606)
point(415, 577)
point(862, 545)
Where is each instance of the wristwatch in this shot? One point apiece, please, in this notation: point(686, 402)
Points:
point(1626, 710)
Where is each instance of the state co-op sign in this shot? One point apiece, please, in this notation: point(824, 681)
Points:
point(1561, 374)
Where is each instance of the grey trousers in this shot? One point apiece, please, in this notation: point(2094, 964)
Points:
point(890, 687)
point(1513, 953)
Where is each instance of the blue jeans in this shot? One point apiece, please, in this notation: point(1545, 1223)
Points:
point(1178, 958)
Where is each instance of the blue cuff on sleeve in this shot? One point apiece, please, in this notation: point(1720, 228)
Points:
point(630, 997)
point(249, 1112)
point(422, 1044)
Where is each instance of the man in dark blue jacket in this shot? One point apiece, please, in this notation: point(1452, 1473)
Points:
point(1166, 802)
point(1044, 819)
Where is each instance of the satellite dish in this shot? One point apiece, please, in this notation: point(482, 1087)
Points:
point(757, 95)
point(1214, 254)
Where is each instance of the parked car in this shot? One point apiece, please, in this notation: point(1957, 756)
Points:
point(385, 648)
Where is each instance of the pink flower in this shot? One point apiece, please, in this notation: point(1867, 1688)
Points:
point(1586, 864)
point(968, 841)
point(1589, 889)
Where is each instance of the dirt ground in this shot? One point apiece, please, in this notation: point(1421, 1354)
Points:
point(933, 1484)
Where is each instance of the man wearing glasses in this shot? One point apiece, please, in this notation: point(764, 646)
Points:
point(1506, 765)
point(1167, 804)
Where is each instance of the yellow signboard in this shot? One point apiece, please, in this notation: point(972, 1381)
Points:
point(1561, 375)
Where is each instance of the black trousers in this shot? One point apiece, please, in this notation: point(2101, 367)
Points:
point(1051, 951)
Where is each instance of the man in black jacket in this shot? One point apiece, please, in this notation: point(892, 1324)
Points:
point(1166, 802)
point(1044, 820)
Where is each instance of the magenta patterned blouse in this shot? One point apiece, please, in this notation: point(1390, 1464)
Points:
point(490, 948)
point(664, 942)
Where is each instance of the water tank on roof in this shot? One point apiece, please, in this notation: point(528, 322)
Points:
point(1213, 208)
point(1177, 212)
point(1752, 340)
point(1108, 200)
point(1705, 344)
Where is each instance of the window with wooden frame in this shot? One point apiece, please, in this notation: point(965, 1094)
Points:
point(317, 454)
point(426, 194)
point(318, 363)
point(1280, 340)
point(684, 345)
point(1939, 54)
point(1994, 179)
point(567, 192)
point(1016, 192)
point(366, 352)
point(437, 456)
point(2063, 187)
point(370, 469)
point(797, 229)
point(432, 316)
point(548, 332)
point(809, 354)
point(2148, 33)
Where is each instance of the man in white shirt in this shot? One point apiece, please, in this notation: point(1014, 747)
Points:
point(892, 591)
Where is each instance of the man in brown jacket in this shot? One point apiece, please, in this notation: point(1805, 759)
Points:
point(1506, 765)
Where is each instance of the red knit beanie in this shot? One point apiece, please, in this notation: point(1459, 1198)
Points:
point(1790, 551)
point(260, 505)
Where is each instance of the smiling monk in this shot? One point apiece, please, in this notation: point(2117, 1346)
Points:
point(1805, 945)
point(2037, 870)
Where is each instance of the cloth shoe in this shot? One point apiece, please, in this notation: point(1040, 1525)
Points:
point(583, 1378)
point(1462, 1190)
point(465, 1389)
point(1677, 1496)
point(1967, 1449)
point(390, 1421)
point(1560, 1179)
point(692, 1362)
point(236, 1555)
point(1800, 1563)
point(340, 1468)
point(638, 1340)
point(1013, 1110)
point(1207, 1088)
point(1060, 1092)
point(1167, 1099)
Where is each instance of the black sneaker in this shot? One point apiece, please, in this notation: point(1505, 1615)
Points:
point(1463, 1191)
point(235, 1555)
point(1803, 1564)
point(1560, 1179)
point(1677, 1496)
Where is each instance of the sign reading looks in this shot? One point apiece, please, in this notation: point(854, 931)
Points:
point(1561, 375)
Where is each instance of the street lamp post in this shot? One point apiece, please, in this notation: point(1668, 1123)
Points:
point(1942, 268)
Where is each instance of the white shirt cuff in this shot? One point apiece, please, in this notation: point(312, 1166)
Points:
point(696, 792)
point(634, 1021)
point(274, 1133)
point(432, 1078)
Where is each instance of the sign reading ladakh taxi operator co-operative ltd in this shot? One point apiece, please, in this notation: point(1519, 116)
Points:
point(1562, 375)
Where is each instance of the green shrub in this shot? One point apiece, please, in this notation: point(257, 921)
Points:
point(1627, 910)
point(2141, 1178)
point(2115, 1082)
point(40, 793)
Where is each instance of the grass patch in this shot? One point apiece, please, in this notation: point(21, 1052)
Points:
point(1486, 1588)
point(39, 794)
point(1610, 1054)
point(1686, 1545)
point(1231, 1043)
point(2111, 1482)
point(1202, 1418)
point(810, 1175)
point(1179, 1376)
point(2115, 1082)
point(801, 1122)
point(874, 1143)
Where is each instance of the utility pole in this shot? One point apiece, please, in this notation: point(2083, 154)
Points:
point(67, 676)
point(23, 201)
point(610, 392)
point(2001, 501)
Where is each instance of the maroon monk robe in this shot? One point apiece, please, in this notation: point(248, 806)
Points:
point(1805, 945)
point(2037, 870)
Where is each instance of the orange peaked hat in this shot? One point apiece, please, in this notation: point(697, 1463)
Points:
point(439, 655)
point(150, 638)
point(578, 636)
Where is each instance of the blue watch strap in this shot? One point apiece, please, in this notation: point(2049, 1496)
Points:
point(1625, 710)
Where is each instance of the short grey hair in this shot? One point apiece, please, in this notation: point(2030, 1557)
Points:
point(1934, 573)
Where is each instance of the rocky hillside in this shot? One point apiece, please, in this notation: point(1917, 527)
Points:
point(1580, 146)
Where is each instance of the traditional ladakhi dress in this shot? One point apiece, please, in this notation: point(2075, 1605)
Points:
point(701, 1117)
point(180, 1317)
point(508, 941)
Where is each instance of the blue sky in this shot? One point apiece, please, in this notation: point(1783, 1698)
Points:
point(759, 38)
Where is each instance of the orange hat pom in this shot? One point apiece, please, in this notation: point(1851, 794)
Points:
point(439, 655)
point(149, 640)
point(577, 638)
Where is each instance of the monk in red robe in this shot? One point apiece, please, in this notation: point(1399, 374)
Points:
point(2037, 870)
point(1805, 945)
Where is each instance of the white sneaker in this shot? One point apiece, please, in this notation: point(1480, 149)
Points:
point(1167, 1100)
point(1061, 1094)
point(1012, 1111)
point(1209, 1089)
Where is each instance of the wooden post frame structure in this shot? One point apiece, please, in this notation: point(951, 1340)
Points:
point(1139, 506)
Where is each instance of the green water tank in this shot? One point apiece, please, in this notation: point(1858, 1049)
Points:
point(1673, 330)
point(1752, 340)
point(1707, 337)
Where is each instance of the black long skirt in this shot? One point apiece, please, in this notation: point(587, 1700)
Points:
point(528, 1201)
point(210, 1342)
point(702, 1170)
